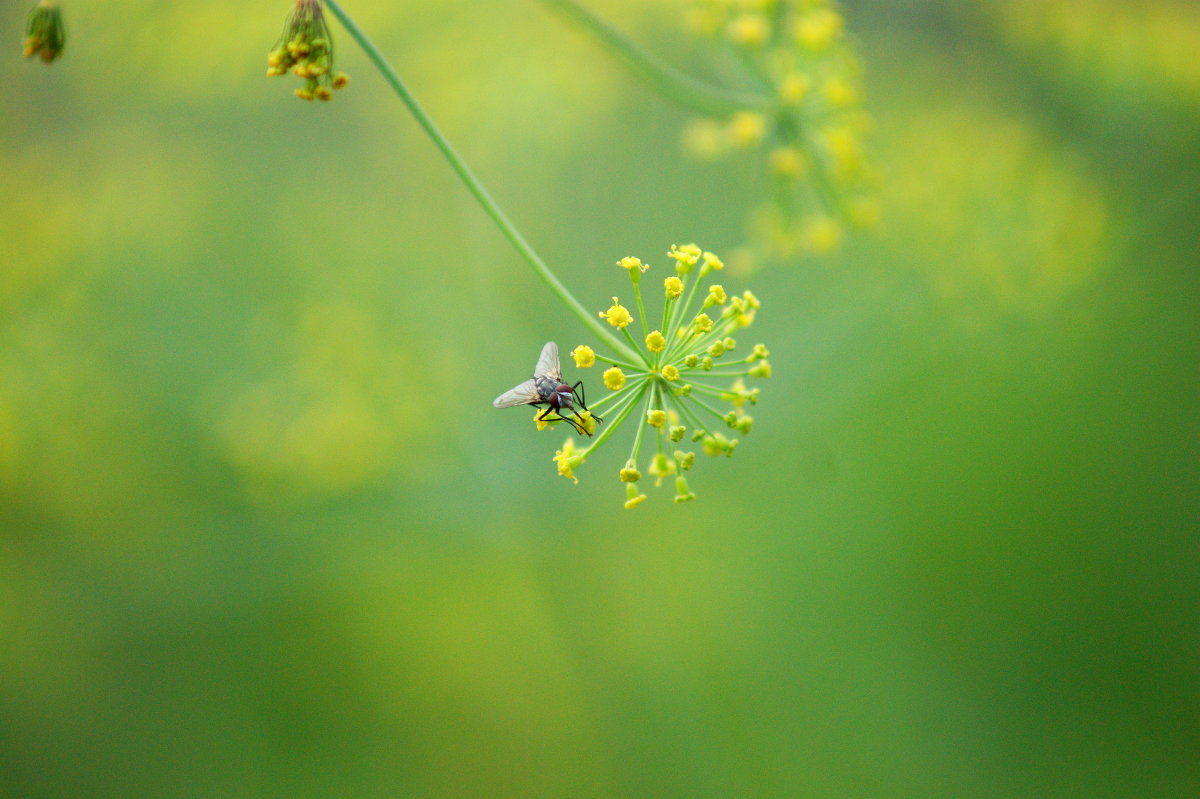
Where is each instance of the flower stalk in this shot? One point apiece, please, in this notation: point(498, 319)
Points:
point(473, 184)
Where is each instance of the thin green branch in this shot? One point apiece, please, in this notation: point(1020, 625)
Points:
point(476, 188)
point(658, 75)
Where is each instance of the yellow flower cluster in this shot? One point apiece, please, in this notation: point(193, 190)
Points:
point(676, 384)
point(306, 49)
point(44, 32)
point(809, 131)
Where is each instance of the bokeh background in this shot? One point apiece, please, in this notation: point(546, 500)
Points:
point(262, 534)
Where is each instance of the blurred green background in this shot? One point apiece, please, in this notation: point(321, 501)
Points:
point(262, 534)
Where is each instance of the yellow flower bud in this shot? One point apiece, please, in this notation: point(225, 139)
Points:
point(674, 287)
point(632, 497)
point(614, 378)
point(794, 88)
point(655, 341)
point(656, 417)
point(584, 356)
point(618, 315)
point(749, 30)
point(670, 373)
point(703, 323)
point(747, 128)
point(761, 369)
point(630, 474)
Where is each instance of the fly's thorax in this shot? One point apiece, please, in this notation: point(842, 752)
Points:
point(547, 387)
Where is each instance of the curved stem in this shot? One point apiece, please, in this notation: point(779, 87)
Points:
point(660, 76)
point(591, 321)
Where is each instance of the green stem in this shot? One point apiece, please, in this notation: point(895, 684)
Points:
point(612, 425)
point(623, 364)
point(660, 76)
point(473, 185)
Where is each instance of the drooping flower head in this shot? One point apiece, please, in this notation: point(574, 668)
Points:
point(306, 49)
point(44, 32)
point(807, 130)
point(684, 386)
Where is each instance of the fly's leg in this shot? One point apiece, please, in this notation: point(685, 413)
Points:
point(577, 389)
point(543, 417)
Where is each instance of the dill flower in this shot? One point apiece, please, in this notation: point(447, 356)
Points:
point(808, 133)
point(584, 356)
point(44, 32)
point(305, 48)
point(685, 384)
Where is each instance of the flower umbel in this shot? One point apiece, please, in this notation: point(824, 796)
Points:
point(687, 385)
point(808, 130)
point(306, 49)
point(44, 33)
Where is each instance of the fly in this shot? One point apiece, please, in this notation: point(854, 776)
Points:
point(547, 388)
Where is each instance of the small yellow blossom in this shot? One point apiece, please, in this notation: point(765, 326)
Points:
point(716, 296)
point(817, 29)
point(674, 287)
point(660, 467)
point(656, 341)
point(670, 373)
point(584, 356)
point(840, 92)
point(656, 417)
point(743, 424)
point(677, 432)
point(717, 349)
point(750, 300)
point(685, 460)
point(685, 258)
point(614, 378)
point(761, 369)
point(729, 344)
point(712, 263)
point(822, 235)
point(760, 351)
point(632, 497)
point(703, 322)
point(629, 263)
point(704, 139)
point(788, 162)
point(749, 30)
point(691, 360)
point(630, 474)
point(794, 88)
point(618, 315)
point(747, 128)
point(682, 494)
point(567, 459)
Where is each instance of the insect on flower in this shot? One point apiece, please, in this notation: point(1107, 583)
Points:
point(547, 388)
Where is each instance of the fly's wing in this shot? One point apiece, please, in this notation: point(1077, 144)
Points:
point(547, 365)
point(519, 395)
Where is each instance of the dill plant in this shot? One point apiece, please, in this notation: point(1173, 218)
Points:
point(660, 376)
point(801, 119)
point(45, 35)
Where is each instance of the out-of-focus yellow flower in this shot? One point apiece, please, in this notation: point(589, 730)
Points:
point(45, 35)
point(818, 28)
point(747, 128)
point(749, 30)
point(788, 162)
